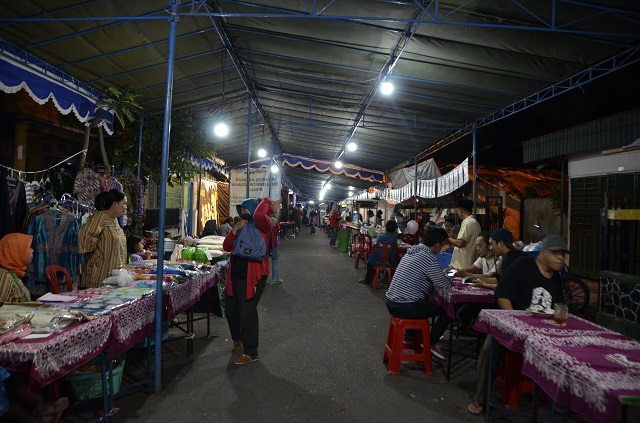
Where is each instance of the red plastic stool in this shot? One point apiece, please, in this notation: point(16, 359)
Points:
point(509, 379)
point(394, 350)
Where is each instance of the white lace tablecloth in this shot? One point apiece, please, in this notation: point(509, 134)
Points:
point(131, 324)
point(587, 373)
point(48, 359)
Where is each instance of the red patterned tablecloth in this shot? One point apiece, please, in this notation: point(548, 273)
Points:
point(587, 373)
point(188, 293)
point(48, 359)
point(512, 327)
point(460, 293)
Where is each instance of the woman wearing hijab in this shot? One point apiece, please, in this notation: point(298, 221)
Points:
point(15, 254)
point(210, 228)
point(102, 239)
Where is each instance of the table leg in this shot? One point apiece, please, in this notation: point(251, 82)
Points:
point(40, 407)
point(450, 352)
point(487, 416)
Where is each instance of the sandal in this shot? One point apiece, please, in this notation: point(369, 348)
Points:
point(475, 409)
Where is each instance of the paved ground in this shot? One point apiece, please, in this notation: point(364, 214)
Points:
point(322, 338)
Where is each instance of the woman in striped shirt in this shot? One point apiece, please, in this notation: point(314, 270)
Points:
point(418, 273)
point(102, 240)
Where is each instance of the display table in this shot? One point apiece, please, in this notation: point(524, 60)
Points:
point(587, 373)
point(572, 361)
point(47, 359)
point(449, 300)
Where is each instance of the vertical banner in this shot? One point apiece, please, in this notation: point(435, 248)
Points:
point(259, 182)
point(454, 179)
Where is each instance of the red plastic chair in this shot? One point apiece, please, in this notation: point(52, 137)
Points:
point(394, 349)
point(51, 272)
point(385, 252)
point(361, 244)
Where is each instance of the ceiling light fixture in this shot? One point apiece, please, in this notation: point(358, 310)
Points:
point(262, 153)
point(386, 88)
point(338, 164)
point(275, 168)
point(352, 146)
point(221, 129)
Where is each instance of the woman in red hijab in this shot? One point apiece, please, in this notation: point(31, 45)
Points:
point(15, 254)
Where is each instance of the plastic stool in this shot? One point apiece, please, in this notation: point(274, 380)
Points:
point(509, 379)
point(394, 350)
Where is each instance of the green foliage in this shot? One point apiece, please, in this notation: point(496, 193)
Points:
point(189, 137)
point(121, 103)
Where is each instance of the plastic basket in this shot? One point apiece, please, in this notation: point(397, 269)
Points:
point(86, 386)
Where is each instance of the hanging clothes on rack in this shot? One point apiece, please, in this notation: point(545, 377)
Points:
point(55, 241)
point(15, 198)
point(87, 185)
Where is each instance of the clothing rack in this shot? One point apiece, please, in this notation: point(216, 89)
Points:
point(20, 172)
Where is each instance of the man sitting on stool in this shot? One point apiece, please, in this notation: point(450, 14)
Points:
point(418, 273)
point(390, 237)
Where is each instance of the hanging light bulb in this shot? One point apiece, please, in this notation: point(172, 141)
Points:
point(262, 152)
point(352, 146)
point(274, 168)
point(221, 129)
point(338, 164)
point(327, 186)
point(386, 88)
point(350, 193)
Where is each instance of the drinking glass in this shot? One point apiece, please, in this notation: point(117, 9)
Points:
point(560, 314)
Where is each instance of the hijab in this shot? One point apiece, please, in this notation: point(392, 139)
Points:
point(14, 252)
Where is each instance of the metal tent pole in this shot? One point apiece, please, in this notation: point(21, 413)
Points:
point(162, 194)
point(475, 176)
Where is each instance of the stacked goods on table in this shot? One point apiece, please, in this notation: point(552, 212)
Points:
point(213, 243)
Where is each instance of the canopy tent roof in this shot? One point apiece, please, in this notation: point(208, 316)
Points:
point(302, 77)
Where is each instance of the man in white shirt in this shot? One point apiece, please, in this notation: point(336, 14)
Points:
point(464, 252)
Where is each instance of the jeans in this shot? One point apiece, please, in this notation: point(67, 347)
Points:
point(334, 235)
point(275, 271)
point(422, 309)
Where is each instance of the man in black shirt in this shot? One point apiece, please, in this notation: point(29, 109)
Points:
point(527, 281)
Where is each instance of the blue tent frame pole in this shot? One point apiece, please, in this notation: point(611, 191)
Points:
point(249, 146)
point(475, 176)
point(140, 145)
point(162, 192)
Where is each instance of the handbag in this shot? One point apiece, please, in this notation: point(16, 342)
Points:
point(249, 244)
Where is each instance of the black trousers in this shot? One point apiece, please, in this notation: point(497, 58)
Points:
point(242, 314)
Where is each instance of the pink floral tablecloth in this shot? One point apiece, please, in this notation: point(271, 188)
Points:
point(48, 359)
point(188, 293)
point(457, 294)
point(512, 327)
point(587, 373)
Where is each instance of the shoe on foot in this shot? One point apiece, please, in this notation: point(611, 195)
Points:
point(237, 346)
point(475, 409)
point(275, 282)
point(246, 359)
point(436, 351)
point(363, 280)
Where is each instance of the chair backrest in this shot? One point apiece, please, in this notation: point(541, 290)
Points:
point(387, 253)
point(52, 275)
point(361, 242)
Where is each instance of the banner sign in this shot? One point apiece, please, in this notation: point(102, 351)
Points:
point(454, 179)
point(262, 183)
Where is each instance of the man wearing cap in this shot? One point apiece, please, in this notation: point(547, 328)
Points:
point(527, 281)
point(464, 252)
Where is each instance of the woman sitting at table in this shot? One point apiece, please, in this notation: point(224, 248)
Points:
point(483, 267)
point(15, 254)
point(102, 239)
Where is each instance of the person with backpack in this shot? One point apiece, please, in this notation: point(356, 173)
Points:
point(247, 274)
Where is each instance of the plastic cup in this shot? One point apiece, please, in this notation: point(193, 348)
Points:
point(560, 314)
